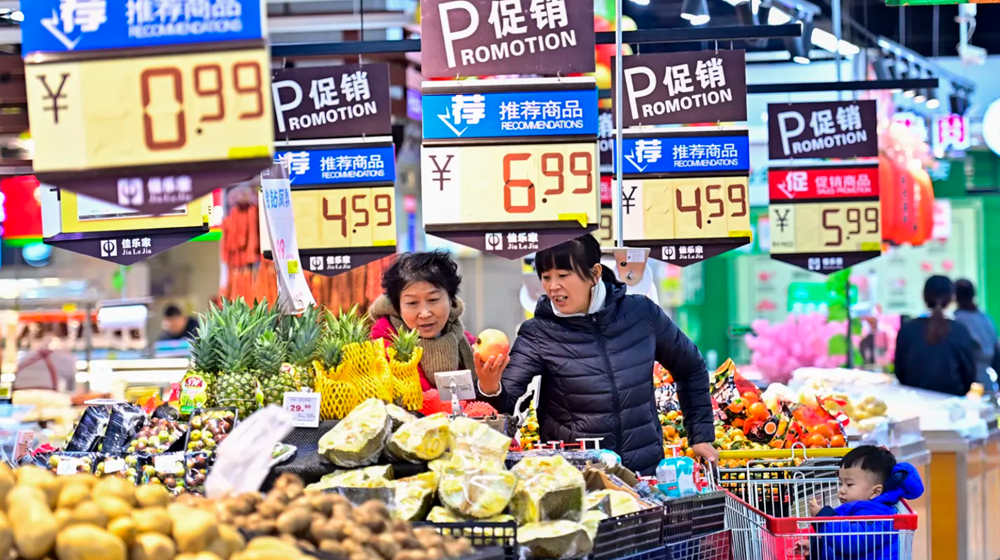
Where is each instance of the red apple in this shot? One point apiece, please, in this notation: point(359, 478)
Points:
point(491, 342)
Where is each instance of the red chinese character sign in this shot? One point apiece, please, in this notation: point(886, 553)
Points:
point(824, 219)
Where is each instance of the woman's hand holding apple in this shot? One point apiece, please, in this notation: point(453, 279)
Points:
point(491, 353)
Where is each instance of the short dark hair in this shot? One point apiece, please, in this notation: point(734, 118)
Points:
point(965, 295)
point(173, 311)
point(876, 461)
point(437, 268)
point(579, 255)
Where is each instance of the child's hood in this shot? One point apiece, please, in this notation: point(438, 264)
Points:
point(903, 483)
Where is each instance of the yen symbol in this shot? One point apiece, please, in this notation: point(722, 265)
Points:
point(54, 97)
point(782, 219)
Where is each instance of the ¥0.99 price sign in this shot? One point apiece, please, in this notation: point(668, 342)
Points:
point(824, 219)
point(683, 220)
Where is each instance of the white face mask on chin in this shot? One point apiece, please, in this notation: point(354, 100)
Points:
point(597, 296)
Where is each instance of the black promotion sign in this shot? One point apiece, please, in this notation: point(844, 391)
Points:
point(685, 88)
point(491, 37)
point(351, 100)
point(826, 129)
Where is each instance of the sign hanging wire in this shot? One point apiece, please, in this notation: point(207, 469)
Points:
point(616, 189)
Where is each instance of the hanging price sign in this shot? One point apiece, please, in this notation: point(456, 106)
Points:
point(685, 196)
point(824, 219)
point(344, 202)
point(115, 234)
point(118, 93)
point(508, 172)
point(606, 232)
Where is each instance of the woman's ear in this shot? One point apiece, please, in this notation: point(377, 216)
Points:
point(597, 272)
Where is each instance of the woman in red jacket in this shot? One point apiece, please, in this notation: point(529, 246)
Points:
point(421, 293)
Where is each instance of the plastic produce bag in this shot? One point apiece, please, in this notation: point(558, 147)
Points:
point(358, 439)
point(415, 496)
point(482, 492)
point(167, 469)
point(158, 436)
point(68, 462)
point(378, 476)
point(555, 540)
point(421, 440)
point(548, 489)
point(125, 421)
point(476, 439)
point(90, 429)
point(244, 457)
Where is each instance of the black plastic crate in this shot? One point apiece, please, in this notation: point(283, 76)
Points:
point(626, 535)
point(712, 546)
point(685, 518)
point(502, 537)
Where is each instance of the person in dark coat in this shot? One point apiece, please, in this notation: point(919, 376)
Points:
point(936, 353)
point(594, 347)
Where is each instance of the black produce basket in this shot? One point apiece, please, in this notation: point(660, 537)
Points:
point(626, 535)
point(713, 546)
point(500, 537)
point(685, 518)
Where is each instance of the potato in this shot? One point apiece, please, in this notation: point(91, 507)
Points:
point(124, 529)
point(116, 487)
point(152, 495)
point(6, 537)
point(35, 525)
point(64, 517)
point(333, 547)
point(114, 507)
point(386, 546)
point(87, 542)
point(294, 521)
point(22, 494)
point(153, 546)
point(72, 495)
point(90, 512)
point(198, 556)
point(233, 539)
point(153, 520)
point(194, 530)
point(85, 479)
point(41, 479)
point(457, 548)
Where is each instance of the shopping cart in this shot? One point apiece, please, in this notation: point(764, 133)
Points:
point(767, 513)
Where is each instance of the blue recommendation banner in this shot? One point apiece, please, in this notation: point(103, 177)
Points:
point(646, 155)
point(510, 114)
point(87, 25)
point(357, 165)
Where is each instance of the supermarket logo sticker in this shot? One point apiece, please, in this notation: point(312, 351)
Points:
point(524, 241)
point(109, 248)
point(494, 242)
point(339, 262)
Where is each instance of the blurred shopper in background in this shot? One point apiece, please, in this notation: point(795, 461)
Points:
point(177, 325)
point(936, 353)
point(982, 329)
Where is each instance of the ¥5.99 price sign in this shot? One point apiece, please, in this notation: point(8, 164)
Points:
point(550, 190)
point(155, 110)
point(824, 219)
point(683, 220)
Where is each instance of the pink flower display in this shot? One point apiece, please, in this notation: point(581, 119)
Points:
point(801, 341)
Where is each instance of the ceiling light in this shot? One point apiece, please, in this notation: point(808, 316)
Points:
point(641, 2)
point(828, 42)
point(777, 17)
point(798, 47)
point(933, 103)
point(695, 11)
point(17, 16)
point(921, 96)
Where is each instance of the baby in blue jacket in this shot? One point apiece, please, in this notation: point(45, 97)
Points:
point(871, 484)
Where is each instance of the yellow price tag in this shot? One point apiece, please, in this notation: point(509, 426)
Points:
point(825, 227)
point(690, 209)
point(293, 267)
point(150, 110)
point(345, 218)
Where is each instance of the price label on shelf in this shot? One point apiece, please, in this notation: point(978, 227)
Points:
point(824, 219)
point(304, 408)
point(67, 466)
point(114, 465)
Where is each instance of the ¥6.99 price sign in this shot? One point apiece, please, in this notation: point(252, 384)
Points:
point(489, 189)
point(683, 220)
point(824, 219)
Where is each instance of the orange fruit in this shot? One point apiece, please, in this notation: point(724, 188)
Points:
point(816, 440)
point(738, 423)
point(838, 441)
point(777, 444)
point(669, 431)
point(689, 452)
point(736, 406)
point(758, 411)
point(823, 430)
point(750, 397)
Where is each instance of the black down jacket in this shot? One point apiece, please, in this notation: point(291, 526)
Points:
point(597, 376)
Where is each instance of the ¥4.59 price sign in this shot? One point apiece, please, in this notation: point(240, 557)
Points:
point(824, 219)
point(344, 202)
point(684, 220)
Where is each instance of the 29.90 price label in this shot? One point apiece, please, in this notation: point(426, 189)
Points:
point(489, 185)
point(132, 112)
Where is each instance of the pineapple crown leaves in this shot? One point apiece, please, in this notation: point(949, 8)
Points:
point(270, 352)
point(349, 327)
point(330, 351)
point(204, 357)
point(303, 334)
point(404, 343)
point(238, 327)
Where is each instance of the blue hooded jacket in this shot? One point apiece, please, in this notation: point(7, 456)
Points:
point(847, 540)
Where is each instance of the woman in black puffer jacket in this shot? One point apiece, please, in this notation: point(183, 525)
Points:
point(594, 347)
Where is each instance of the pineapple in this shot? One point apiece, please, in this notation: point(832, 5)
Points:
point(338, 394)
point(404, 343)
point(240, 326)
point(330, 352)
point(303, 334)
point(198, 382)
point(275, 378)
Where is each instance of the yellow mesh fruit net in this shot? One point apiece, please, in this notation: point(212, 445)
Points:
point(338, 395)
point(406, 380)
point(369, 370)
